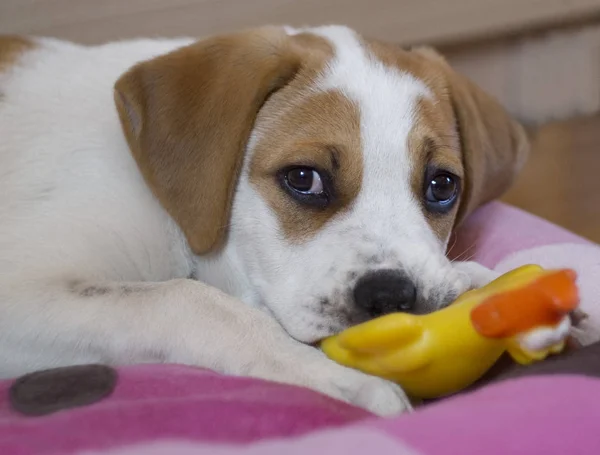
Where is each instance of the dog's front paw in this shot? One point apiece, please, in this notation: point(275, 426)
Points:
point(306, 366)
point(377, 395)
point(374, 394)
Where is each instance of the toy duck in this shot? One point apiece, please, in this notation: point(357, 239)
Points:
point(525, 312)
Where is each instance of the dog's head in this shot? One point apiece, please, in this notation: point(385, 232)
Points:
point(319, 172)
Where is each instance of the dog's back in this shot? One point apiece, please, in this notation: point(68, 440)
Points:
point(72, 203)
point(70, 194)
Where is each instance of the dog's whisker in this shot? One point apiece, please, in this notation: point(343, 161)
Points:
point(465, 253)
point(468, 258)
point(455, 239)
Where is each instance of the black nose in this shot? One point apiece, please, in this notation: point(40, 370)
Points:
point(385, 291)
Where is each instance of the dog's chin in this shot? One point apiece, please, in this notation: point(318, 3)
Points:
point(326, 328)
point(312, 327)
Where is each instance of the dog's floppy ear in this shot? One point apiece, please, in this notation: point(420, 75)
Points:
point(187, 117)
point(494, 146)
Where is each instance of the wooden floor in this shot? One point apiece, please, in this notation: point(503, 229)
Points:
point(561, 182)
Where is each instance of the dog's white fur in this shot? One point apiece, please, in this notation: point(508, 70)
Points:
point(385, 222)
point(92, 269)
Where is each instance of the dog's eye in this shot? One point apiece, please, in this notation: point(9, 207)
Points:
point(441, 192)
point(306, 185)
point(304, 180)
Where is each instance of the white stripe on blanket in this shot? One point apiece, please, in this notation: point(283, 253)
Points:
point(353, 440)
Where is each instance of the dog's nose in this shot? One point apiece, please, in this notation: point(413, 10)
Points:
point(385, 291)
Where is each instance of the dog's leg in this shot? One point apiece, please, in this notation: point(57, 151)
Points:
point(179, 321)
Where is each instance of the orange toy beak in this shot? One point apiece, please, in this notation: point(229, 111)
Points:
point(544, 302)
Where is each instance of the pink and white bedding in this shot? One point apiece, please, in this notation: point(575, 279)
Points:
point(176, 410)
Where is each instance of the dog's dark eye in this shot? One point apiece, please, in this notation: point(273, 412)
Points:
point(306, 185)
point(441, 192)
point(305, 180)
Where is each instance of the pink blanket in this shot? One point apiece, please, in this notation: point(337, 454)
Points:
point(169, 409)
point(179, 410)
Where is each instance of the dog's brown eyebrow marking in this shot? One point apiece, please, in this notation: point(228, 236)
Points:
point(328, 139)
point(334, 154)
point(432, 147)
point(429, 146)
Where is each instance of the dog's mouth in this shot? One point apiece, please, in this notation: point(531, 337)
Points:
point(353, 319)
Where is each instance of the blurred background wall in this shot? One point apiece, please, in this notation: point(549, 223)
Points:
point(541, 58)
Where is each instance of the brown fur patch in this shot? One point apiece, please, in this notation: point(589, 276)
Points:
point(321, 131)
point(434, 145)
point(494, 147)
point(188, 115)
point(11, 48)
point(433, 141)
point(460, 118)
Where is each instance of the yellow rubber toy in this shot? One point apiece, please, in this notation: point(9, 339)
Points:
point(446, 351)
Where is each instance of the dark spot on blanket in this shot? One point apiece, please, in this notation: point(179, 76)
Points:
point(48, 391)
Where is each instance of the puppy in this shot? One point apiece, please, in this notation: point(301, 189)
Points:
point(228, 202)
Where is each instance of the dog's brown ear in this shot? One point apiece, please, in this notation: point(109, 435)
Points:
point(494, 146)
point(187, 116)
